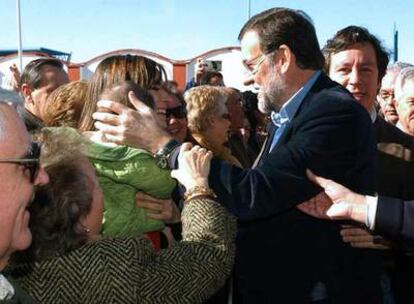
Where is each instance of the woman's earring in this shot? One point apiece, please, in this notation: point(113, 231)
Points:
point(85, 229)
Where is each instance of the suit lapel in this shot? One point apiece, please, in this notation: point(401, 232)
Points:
point(266, 145)
point(322, 82)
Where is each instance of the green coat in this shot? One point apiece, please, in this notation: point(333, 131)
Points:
point(122, 172)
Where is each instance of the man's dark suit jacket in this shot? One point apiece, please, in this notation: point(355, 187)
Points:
point(395, 218)
point(395, 161)
point(281, 252)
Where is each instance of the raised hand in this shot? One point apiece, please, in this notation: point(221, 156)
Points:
point(194, 166)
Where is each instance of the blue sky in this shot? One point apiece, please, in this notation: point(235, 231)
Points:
point(182, 29)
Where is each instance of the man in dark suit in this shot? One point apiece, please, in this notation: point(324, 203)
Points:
point(284, 255)
point(356, 59)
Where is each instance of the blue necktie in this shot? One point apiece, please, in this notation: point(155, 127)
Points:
point(280, 122)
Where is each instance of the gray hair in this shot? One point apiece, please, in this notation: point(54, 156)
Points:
point(406, 74)
point(398, 66)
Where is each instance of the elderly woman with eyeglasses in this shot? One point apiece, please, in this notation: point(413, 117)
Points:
point(70, 262)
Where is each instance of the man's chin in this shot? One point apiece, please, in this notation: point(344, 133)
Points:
point(265, 106)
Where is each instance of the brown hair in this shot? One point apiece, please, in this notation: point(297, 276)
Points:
point(64, 105)
point(172, 90)
point(207, 76)
point(119, 93)
point(113, 70)
point(345, 38)
point(32, 75)
point(293, 28)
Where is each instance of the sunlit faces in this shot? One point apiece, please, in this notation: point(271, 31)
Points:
point(93, 221)
point(52, 78)
point(356, 69)
point(405, 106)
point(16, 188)
point(267, 75)
point(386, 97)
point(171, 111)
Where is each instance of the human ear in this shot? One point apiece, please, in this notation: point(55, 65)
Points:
point(285, 56)
point(27, 93)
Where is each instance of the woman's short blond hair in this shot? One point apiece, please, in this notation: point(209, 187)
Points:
point(203, 102)
point(65, 104)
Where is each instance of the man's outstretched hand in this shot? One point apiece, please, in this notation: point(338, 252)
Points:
point(335, 202)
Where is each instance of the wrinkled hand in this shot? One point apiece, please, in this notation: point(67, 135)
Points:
point(193, 166)
point(126, 126)
point(361, 238)
point(317, 206)
point(346, 204)
point(158, 209)
point(15, 80)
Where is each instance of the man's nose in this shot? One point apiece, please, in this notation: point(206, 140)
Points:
point(354, 77)
point(249, 80)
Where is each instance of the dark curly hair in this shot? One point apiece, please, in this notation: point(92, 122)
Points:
point(57, 210)
point(59, 206)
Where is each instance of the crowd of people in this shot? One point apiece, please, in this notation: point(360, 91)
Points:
point(123, 188)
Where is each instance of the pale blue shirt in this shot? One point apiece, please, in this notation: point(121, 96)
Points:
point(289, 109)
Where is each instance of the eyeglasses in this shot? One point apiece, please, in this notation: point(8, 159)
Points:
point(29, 162)
point(253, 65)
point(177, 112)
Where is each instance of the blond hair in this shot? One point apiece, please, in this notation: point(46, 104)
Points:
point(203, 102)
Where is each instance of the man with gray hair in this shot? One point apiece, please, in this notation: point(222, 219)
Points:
point(20, 172)
point(404, 96)
point(386, 97)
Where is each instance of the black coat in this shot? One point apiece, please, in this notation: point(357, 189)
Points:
point(395, 161)
point(281, 252)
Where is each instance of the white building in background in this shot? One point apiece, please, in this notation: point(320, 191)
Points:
point(225, 60)
point(9, 57)
point(87, 68)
